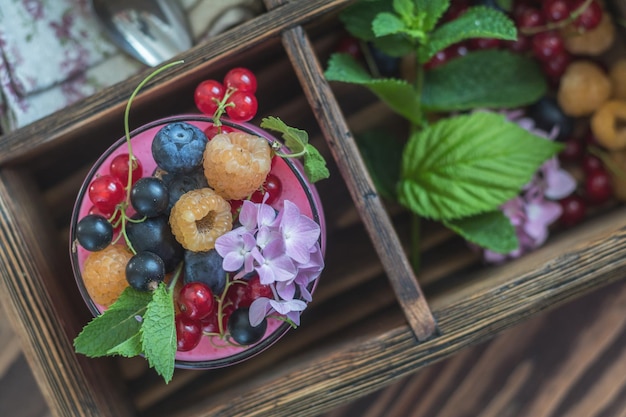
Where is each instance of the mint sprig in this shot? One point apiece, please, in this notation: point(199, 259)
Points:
point(297, 141)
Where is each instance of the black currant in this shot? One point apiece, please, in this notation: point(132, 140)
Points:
point(547, 114)
point(155, 235)
point(149, 196)
point(94, 232)
point(145, 271)
point(241, 330)
point(205, 267)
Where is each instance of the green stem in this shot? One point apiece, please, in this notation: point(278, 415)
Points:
point(558, 25)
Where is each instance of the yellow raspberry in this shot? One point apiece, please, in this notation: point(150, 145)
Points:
point(104, 274)
point(607, 124)
point(236, 164)
point(583, 88)
point(590, 42)
point(198, 218)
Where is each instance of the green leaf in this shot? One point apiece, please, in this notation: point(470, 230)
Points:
point(476, 22)
point(394, 45)
point(491, 230)
point(158, 333)
point(505, 4)
point(110, 332)
point(298, 142)
point(314, 165)
point(399, 95)
point(388, 24)
point(432, 11)
point(357, 18)
point(490, 78)
point(383, 157)
point(469, 164)
point(128, 348)
point(295, 139)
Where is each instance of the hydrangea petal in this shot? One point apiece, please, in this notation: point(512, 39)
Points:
point(258, 310)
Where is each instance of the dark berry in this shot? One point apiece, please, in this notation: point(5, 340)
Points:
point(188, 333)
point(155, 235)
point(205, 267)
point(145, 271)
point(240, 329)
point(196, 301)
point(598, 187)
point(94, 232)
point(547, 115)
point(149, 196)
point(178, 147)
point(179, 184)
point(573, 209)
point(388, 66)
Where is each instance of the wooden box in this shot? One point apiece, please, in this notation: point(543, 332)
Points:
point(372, 320)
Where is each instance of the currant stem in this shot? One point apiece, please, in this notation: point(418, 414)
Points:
point(558, 25)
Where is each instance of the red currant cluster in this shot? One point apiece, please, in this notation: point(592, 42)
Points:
point(235, 96)
point(201, 313)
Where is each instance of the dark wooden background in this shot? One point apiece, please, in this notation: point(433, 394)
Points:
point(569, 362)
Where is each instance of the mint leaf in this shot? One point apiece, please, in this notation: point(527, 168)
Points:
point(470, 164)
point(357, 18)
point(315, 165)
point(295, 139)
point(476, 22)
point(128, 348)
point(388, 24)
point(490, 78)
point(432, 11)
point(491, 230)
point(383, 157)
point(399, 95)
point(158, 333)
point(298, 142)
point(110, 332)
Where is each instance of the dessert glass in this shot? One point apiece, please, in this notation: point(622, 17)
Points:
point(211, 352)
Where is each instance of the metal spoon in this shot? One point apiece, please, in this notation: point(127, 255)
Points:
point(152, 31)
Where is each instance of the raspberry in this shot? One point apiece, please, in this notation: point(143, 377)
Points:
point(198, 218)
point(104, 274)
point(607, 124)
point(584, 87)
point(236, 164)
point(590, 42)
point(617, 74)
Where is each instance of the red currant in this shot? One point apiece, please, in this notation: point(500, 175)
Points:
point(255, 290)
point(556, 10)
point(521, 44)
point(529, 17)
point(213, 130)
point(272, 186)
point(547, 45)
point(590, 164)
point(196, 300)
point(188, 333)
point(456, 9)
point(445, 55)
point(484, 43)
point(349, 45)
point(241, 79)
point(555, 68)
point(243, 106)
point(590, 17)
point(574, 210)
point(119, 168)
point(106, 192)
point(207, 96)
point(573, 151)
point(598, 187)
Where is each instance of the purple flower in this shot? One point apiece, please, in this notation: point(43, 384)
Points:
point(236, 248)
point(273, 265)
point(299, 232)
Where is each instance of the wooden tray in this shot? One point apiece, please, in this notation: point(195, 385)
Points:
point(372, 321)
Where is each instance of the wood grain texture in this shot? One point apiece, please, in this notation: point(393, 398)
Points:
point(569, 362)
point(345, 151)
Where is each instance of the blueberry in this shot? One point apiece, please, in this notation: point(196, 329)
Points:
point(547, 114)
point(154, 235)
point(179, 184)
point(149, 196)
point(144, 271)
point(94, 232)
point(205, 267)
point(178, 147)
point(241, 330)
point(387, 65)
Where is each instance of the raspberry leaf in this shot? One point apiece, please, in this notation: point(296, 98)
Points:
point(399, 95)
point(113, 331)
point(491, 230)
point(476, 22)
point(314, 165)
point(158, 333)
point(490, 78)
point(469, 164)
